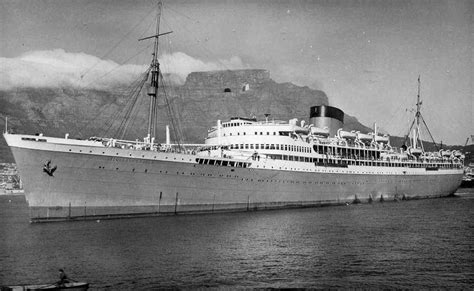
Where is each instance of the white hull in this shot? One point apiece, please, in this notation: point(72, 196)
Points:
point(92, 181)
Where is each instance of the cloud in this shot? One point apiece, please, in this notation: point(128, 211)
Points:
point(58, 68)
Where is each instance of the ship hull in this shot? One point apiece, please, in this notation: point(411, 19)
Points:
point(95, 183)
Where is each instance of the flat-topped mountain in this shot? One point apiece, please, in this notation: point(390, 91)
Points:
point(196, 105)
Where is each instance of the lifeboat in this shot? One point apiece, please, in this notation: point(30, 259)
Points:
point(365, 137)
point(435, 154)
point(382, 139)
point(445, 153)
point(457, 154)
point(415, 152)
point(300, 130)
point(320, 131)
point(346, 134)
point(296, 128)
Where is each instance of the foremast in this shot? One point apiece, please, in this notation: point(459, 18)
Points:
point(154, 80)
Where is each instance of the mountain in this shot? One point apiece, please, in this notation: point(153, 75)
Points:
point(204, 98)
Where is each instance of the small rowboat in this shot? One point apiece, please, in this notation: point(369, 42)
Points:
point(76, 286)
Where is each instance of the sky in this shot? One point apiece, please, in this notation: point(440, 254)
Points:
point(366, 55)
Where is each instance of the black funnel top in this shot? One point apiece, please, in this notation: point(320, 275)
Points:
point(327, 111)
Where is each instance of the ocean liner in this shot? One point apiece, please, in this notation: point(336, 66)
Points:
point(244, 164)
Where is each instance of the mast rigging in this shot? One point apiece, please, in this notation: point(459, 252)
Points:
point(155, 76)
point(416, 122)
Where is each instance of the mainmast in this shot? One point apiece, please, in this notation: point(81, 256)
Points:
point(155, 75)
point(416, 134)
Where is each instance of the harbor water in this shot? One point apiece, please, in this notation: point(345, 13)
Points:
point(408, 244)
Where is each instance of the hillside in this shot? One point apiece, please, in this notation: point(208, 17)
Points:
point(198, 104)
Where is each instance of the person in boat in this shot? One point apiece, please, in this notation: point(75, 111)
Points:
point(63, 279)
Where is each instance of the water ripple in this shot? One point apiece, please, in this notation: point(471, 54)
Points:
point(406, 245)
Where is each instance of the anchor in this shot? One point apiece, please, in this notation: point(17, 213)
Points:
point(48, 169)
